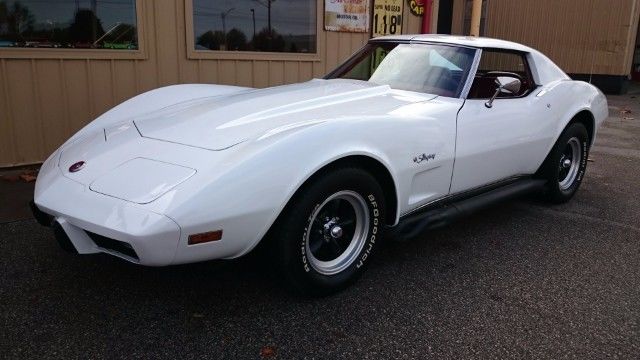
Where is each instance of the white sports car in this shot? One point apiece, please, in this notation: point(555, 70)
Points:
point(409, 133)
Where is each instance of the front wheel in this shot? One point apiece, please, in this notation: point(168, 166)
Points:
point(566, 164)
point(327, 234)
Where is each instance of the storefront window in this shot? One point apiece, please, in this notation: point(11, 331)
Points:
point(255, 25)
point(73, 24)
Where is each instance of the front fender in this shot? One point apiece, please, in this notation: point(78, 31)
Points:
point(251, 187)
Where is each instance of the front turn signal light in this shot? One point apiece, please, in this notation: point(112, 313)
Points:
point(205, 237)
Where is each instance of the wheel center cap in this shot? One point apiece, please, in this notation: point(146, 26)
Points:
point(336, 232)
point(566, 163)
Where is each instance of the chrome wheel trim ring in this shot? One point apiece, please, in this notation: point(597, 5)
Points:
point(572, 147)
point(358, 239)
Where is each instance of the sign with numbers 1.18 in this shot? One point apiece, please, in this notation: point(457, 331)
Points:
point(387, 17)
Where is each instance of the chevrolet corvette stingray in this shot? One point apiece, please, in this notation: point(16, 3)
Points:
point(406, 135)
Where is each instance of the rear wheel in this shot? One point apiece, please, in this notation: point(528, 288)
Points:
point(327, 234)
point(566, 164)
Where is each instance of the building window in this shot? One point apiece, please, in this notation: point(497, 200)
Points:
point(71, 24)
point(285, 26)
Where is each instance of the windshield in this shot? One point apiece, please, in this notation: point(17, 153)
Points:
point(428, 68)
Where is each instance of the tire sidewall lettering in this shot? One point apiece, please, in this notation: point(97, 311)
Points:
point(583, 163)
point(372, 233)
point(303, 245)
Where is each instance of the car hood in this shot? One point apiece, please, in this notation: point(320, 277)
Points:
point(220, 122)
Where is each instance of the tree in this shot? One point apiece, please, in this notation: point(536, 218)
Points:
point(236, 40)
point(19, 20)
point(211, 40)
point(265, 41)
point(4, 13)
point(86, 27)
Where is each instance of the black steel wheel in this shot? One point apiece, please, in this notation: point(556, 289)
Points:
point(566, 164)
point(327, 234)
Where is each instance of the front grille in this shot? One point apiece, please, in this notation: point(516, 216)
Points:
point(113, 245)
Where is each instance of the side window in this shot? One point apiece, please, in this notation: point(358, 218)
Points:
point(484, 87)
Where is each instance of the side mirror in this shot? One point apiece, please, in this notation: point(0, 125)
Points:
point(505, 84)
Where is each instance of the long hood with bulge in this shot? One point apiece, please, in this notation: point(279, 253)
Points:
point(221, 122)
point(142, 158)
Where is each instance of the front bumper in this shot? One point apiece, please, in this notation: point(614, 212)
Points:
point(47, 220)
point(41, 217)
point(95, 223)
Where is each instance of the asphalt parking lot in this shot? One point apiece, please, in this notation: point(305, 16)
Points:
point(520, 280)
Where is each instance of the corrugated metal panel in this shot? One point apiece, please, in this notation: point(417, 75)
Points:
point(581, 36)
point(45, 97)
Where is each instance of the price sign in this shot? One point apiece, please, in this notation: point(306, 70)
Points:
point(346, 15)
point(387, 17)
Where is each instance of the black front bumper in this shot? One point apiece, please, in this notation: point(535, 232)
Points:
point(41, 217)
point(47, 220)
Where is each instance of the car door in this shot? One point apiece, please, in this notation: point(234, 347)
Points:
point(428, 80)
point(505, 140)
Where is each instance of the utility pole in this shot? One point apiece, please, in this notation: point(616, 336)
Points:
point(223, 15)
point(253, 16)
point(94, 25)
point(268, 6)
point(269, 16)
point(476, 15)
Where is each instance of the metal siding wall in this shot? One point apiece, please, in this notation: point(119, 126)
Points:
point(7, 146)
point(44, 101)
point(581, 36)
point(457, 19)
point(26, 133)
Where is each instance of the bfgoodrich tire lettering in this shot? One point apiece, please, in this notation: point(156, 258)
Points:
point(327, 234)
